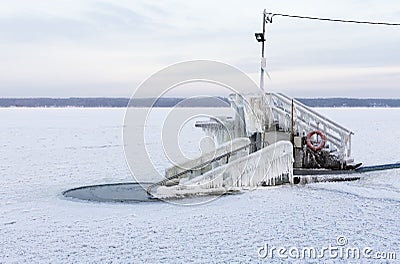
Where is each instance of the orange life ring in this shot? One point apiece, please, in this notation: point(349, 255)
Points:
point(321, 145)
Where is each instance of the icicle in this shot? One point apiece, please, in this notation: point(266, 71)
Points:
point(269, 165)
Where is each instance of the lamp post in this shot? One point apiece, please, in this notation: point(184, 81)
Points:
point(260, 37)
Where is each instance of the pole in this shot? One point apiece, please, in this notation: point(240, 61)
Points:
point(262, 52)
point(292, 127)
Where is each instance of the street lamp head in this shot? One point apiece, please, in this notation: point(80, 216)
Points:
point(260, 37)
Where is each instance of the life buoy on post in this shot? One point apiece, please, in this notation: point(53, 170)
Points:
point(321, 144)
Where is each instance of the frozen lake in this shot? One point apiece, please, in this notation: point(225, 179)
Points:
point(43, 152)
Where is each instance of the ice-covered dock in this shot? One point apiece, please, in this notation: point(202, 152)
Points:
point(268, 136)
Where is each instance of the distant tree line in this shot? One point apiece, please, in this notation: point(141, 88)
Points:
point(350, 102)
point(182, 102)
point(63, 102)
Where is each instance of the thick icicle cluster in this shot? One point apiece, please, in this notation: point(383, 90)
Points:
point(269, 166)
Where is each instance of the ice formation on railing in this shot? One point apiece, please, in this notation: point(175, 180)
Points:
point(254, 110)
point(202, 164)
point(221, 129)
point(306, 120)
point(271, 165)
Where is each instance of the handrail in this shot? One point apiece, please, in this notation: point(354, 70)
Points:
point(331, 136)
point(288, 99)
point(339, 136)
point(227, 154)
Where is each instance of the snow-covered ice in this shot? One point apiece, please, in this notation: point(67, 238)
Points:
point(46, 151)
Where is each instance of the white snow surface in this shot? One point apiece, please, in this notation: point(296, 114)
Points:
point(46, 151)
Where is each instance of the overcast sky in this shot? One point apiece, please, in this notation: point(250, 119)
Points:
point(63, 48)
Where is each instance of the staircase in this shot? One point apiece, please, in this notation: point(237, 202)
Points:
point(293, 116)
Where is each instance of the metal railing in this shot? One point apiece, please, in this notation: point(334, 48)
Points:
point(306, 120)
point(185, 173)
